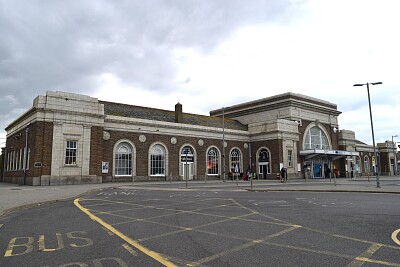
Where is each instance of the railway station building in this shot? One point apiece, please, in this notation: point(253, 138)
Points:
point(67, 138)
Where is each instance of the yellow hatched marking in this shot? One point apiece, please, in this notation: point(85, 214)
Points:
point(130, 250)
point(368, 253)
point(239, 248)
point(378, 262)
point(156, 256)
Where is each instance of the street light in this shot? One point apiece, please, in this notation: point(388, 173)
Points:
point(223, 142)
point(395, 156)
point(372, 129)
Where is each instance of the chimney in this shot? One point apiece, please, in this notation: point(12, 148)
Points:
point(178, 113)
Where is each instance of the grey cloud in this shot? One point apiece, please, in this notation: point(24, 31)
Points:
point(65, 45)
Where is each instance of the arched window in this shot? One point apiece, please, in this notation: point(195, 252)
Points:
point(157, 160)
point(123, 160)
point(316, 139)
point(212, 161)
point(235, 160)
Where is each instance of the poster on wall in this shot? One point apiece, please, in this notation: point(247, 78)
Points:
point(104, 167)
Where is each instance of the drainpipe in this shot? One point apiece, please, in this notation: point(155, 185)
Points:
point(26, 153)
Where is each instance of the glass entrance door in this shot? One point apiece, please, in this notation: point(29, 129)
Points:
point(187, 163)
point(263, 170)
point(187, 170)
point(317, 170)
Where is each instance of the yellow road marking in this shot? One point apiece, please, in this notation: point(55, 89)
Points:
point(124, 237)
point(255, 212)
point(368, 253)
point(241, 247)
point(378, 262)
point(394, 237)
point(363, 259)
point(130, 250)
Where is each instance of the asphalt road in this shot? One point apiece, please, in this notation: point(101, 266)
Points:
point(144, 227)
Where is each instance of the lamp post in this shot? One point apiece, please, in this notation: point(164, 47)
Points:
point(395, 156)
point(372, 129)
point(223, 143)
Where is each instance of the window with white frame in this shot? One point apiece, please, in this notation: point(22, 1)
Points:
point(9, 161)
point(123, 160)
point(71, 152)
point(366, 164)
point(235, 159)
point(25, 160)
point(16, 160)
point(289, 157)
point(212, 161)
point(29, 155)
point(20, 160)
point(316, 139)
point(157, 160)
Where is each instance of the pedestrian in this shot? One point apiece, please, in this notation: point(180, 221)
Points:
point(327, 172)
point(283, 173)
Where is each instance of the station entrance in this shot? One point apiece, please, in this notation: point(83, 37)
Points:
point(320, 163)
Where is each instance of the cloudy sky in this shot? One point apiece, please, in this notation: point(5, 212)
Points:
point(205, 54)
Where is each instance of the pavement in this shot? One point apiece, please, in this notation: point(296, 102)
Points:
point(14, 197)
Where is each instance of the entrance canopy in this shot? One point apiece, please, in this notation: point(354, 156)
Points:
point(332, 154)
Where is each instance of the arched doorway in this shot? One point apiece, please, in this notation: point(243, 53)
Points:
point(263, 162)
point(187, 165)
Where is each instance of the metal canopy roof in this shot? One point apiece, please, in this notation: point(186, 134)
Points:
point(333, 154)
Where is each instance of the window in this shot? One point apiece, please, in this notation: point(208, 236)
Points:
point(366, 164)
point(70, 152)
point(20, 160)
point(316, 139)
point(212, 161)
point(157, 161)
point(29, 155)
point(15, 160)
point(289, 158)
point(235, 159)
point(123, 160)
point(8, 162)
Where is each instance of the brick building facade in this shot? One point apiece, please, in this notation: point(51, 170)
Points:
point(70, 138)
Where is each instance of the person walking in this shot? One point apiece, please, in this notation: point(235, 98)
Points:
point(283, 174)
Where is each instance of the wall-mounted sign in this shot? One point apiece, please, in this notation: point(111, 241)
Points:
point(187, 158)
point(37, 164)
point(104, 167)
